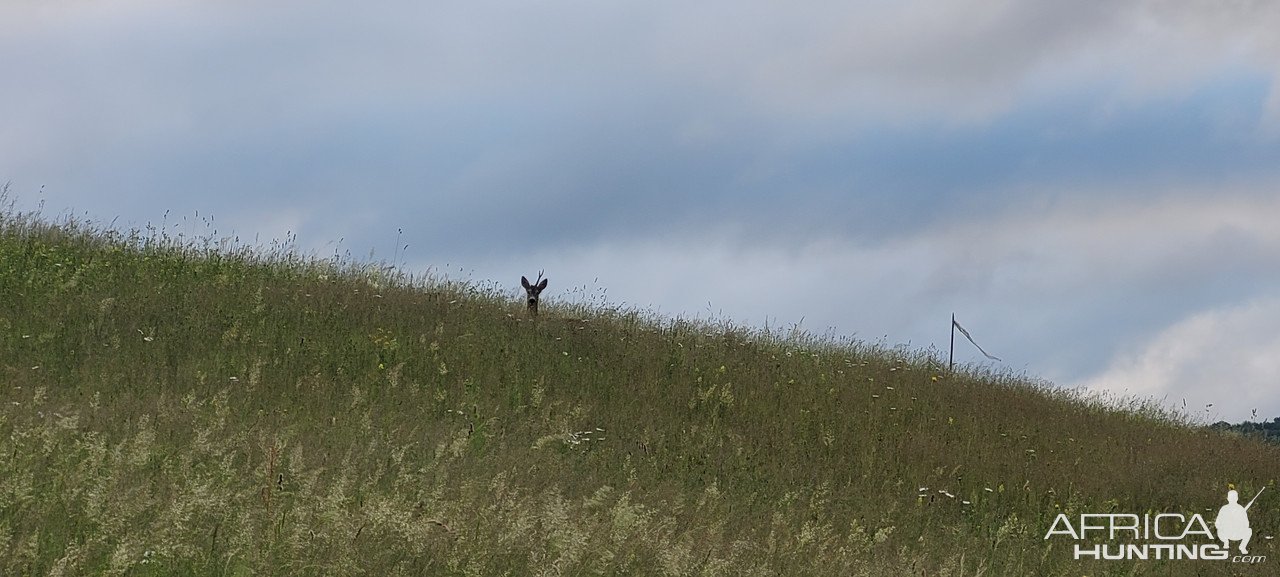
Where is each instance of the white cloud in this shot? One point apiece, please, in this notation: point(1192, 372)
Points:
point(1221, 364)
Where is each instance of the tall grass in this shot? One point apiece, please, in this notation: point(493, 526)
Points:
point(193, 405)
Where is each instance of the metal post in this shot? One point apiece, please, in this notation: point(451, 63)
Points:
point(951, 359)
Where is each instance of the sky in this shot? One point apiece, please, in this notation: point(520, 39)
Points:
point(1091, 187)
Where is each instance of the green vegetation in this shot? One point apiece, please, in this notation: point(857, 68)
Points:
point(178, 406)
point(1261, 430)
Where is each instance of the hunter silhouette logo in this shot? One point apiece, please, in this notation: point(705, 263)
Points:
point(1128, 536)
point(1233, 522)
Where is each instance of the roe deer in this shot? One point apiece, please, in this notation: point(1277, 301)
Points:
point(532, 291)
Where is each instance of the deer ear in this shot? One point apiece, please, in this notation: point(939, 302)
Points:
point(542, 284)
point(524, 282)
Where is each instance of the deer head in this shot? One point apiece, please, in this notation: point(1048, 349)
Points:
point(532, 290)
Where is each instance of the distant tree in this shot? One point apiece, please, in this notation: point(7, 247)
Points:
point(1266, 430)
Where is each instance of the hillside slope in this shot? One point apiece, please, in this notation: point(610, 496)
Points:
point(209, 409)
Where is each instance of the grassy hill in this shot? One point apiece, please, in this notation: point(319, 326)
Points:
point(176, 406)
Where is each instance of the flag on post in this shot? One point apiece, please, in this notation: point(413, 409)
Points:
point(956, 326)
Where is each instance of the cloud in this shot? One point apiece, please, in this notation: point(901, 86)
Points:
point(570, 121)
point(165, 67)
point(1219, 364)
point(918, 62)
